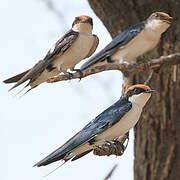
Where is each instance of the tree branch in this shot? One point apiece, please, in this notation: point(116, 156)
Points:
point(153, 64)
point(109, 175)
point(115, 147)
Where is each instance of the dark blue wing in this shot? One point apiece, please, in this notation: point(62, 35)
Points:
point(120, 40)
point(103, 121)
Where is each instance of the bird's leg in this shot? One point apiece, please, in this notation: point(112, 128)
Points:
point(80, 73)
point(146, 66)
point(145, 62)
point(109, 60)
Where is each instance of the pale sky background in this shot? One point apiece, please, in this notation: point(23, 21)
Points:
point(41, 121)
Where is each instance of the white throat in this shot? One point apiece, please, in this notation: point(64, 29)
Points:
point(82, 27)
point(157, 25)
point(140, 99)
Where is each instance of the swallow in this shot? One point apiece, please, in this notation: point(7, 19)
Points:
point(77, 44)
point(133, 42)
point(112, 123)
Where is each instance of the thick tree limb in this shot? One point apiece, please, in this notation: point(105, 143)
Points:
point(154, 64)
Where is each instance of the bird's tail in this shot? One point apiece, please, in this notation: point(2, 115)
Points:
point(15, 78)
point(92, 61)
point(58, 155)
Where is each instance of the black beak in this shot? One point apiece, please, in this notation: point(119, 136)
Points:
point(168, 19)
point(150, 91)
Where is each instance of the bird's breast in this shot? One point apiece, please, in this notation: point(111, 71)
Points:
point(127, 122)
point(78, 51)
point(142, 43)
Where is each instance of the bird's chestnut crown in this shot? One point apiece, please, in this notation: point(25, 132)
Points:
point(83, 19)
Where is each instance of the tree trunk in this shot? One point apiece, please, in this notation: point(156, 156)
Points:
point(157, 135)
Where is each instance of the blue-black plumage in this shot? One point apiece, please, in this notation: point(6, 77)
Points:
point(133, 42)
point(110, 124)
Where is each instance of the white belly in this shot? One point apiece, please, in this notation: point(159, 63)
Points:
point(123, 126)
point(77, 52)
point(143, 42)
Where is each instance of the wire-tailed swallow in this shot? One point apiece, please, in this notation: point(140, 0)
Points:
point(112, 123)
point(133, 42)
point(78, 43)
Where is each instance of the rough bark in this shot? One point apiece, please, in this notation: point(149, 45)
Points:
point(157, 135)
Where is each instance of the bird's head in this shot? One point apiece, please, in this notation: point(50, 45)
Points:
point(159, 21)
point(139, 94)
point(83, 24)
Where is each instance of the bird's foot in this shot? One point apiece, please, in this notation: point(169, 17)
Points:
point(70, 75)
point(109, 60)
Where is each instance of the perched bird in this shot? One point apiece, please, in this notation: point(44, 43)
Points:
point(132, 42)
point(78, 43)
point(109, 125)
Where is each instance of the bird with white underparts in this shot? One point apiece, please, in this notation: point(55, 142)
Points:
point(133, 42)
point(77, 44)
point(112, 123)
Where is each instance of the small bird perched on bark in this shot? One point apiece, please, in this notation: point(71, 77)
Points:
point(77, 44)
point(112, 123)
point(133, 42)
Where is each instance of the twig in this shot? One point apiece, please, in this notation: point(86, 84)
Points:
point(115, 147)
point(154, 64)
point(149, 78)
point(111, 172)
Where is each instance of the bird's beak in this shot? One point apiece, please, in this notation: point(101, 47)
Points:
point(168, 19)
point(150, 91)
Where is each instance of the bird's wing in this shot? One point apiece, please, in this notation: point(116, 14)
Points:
point(102, 122)
point(119, 41)
point(15, 78)
point(61, 45)
point(59, 48)
point(94, 46)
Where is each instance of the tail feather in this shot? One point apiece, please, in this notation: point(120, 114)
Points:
point(15, 78)
point(81, 155)
point(56, 168)
point(26, 77)
point(48, 160)
point(95, 59)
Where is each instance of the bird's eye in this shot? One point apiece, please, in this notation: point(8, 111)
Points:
point(137, 91)
point(156, 15)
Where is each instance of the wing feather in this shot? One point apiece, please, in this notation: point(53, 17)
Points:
point(103, 121)
point(59, 48)
point(94, 46)
point(119, 41)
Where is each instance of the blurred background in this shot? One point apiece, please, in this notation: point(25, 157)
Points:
point(33, 126)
